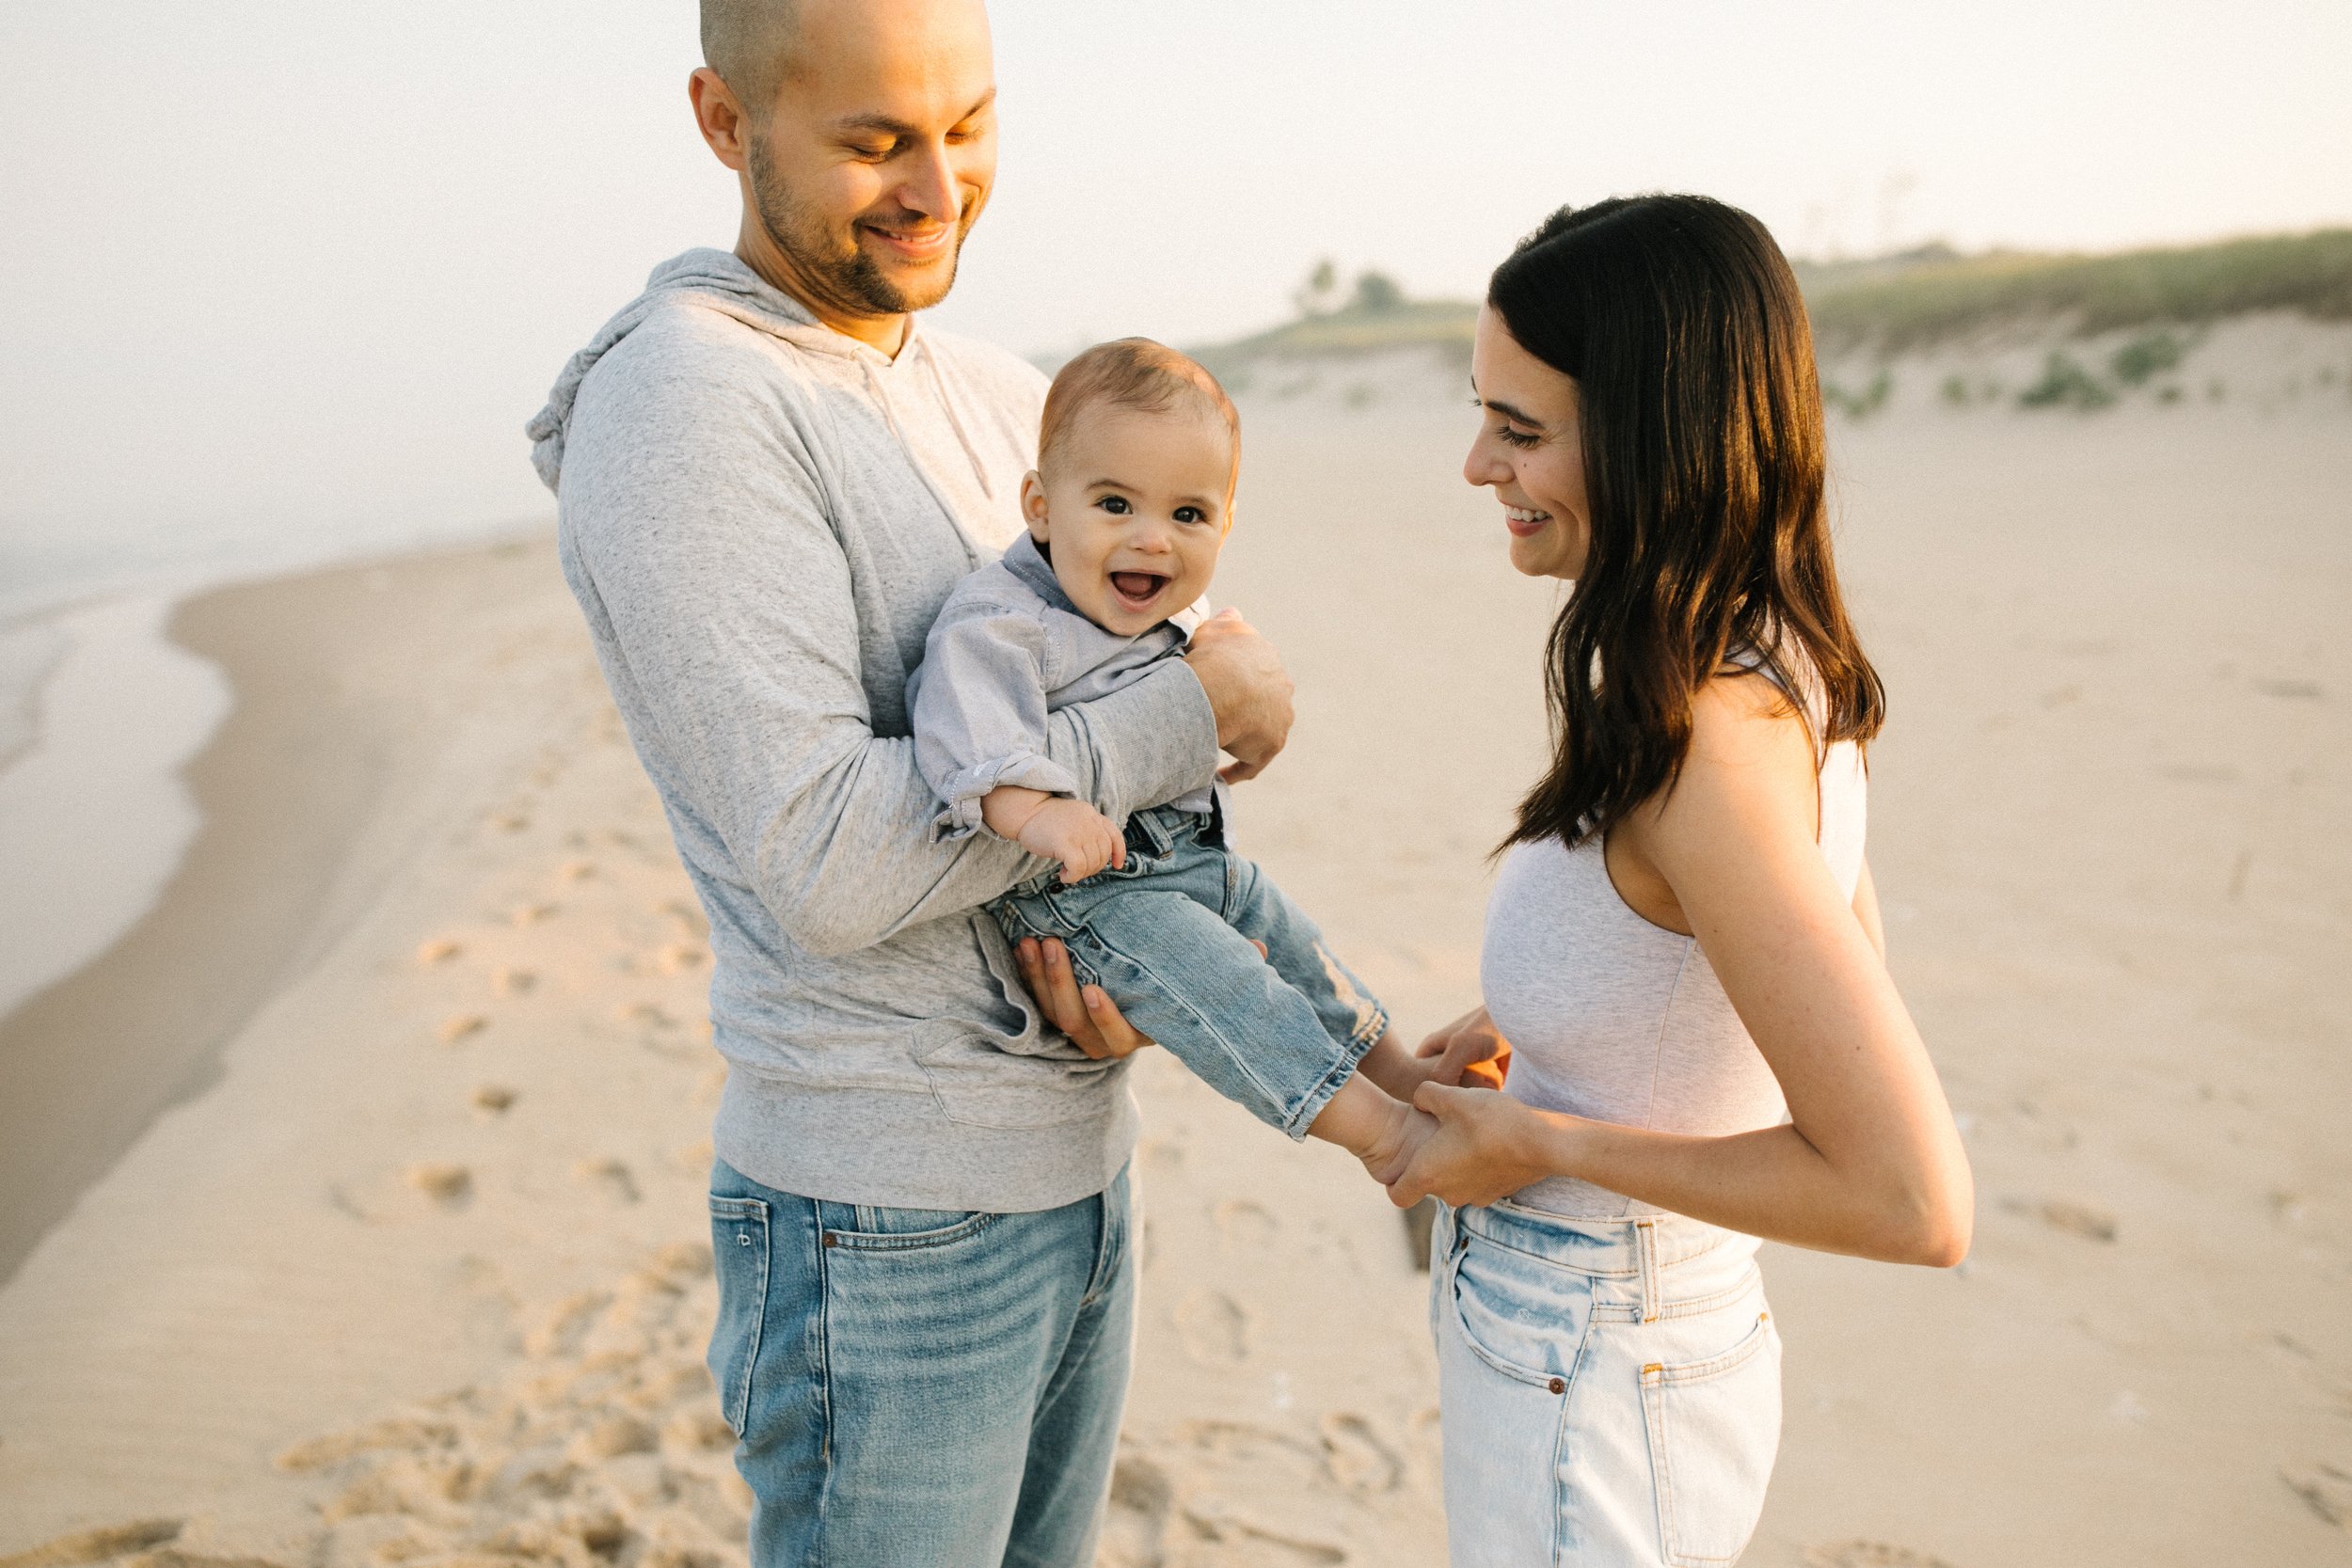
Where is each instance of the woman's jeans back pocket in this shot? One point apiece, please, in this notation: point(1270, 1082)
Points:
point(739, 1246)
point(1715, 1426)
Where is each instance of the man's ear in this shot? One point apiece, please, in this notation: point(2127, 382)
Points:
point(719, 117)
point(1033, 505)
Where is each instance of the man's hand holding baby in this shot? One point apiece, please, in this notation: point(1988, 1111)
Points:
point(1247, 688)
point(1055, 828)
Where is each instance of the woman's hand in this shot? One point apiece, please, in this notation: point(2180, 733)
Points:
point(1470, 1051)
point(1487, 1145)
point(1086, 1015)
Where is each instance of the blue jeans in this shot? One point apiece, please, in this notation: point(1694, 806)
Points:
point(1168, 936)
point(917, 1387)
point(1609, 1389)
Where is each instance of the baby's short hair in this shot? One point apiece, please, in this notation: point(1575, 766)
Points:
point(1130, 372)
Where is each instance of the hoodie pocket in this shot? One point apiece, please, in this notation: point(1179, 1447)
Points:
point(978, 1083)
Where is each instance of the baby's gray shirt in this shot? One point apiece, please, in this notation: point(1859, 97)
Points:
point(1008, 648)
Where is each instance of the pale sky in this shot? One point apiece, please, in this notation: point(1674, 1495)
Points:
point(274, 265)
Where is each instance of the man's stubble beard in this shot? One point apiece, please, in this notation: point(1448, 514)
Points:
point(846, 281)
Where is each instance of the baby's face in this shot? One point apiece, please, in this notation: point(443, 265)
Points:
point(1134, 512)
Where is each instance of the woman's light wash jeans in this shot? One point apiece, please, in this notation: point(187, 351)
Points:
point(917, 1389)
point(1610, 1389)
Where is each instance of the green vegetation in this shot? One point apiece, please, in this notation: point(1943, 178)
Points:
point(2147, 355)
point(1934, 296)
point(1910, 301)
point(1862, 405)
point(2065, 384)
point(1374, 315)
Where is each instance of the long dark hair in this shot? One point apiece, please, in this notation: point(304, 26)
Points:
point(1682, 326)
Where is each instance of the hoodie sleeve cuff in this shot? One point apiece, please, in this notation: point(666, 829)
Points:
point(961, 792)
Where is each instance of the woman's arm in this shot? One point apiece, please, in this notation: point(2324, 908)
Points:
point(1870, 1163)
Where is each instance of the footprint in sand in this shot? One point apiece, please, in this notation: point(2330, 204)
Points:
point(643, 1013)
point(1135, 1531)
point(451, 1186)
point(529, 914)
point(678, 958)
point(509, 821)
point(96, 1545)
point(561, 1331)
point(497, 1099)
point(697, 924)
point(1161, 1152)
point(1869, 1554)
point(1255, 1543)
point(458, 1026)
point(1255, 1449)
point(2077, 1219)
point(577, 871)
point(1244, 1224)
point(438, 950)
point(1214, 1328)
point(2326, 1489)
point(610, 1177)
point(612, 1436)
point(1357, 1457)
point(510, 981)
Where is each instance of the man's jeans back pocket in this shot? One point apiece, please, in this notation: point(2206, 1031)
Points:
point(1714, 1427)
point(739, 1246)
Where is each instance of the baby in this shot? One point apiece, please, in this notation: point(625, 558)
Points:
point(1130, 502)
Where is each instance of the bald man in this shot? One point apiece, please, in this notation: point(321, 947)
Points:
point(769, 477)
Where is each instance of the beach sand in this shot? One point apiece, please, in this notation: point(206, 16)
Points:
point(421, 1272)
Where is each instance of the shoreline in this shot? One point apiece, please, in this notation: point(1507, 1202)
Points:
point(286, 787)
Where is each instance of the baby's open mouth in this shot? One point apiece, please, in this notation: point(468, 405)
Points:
point(1137, 589)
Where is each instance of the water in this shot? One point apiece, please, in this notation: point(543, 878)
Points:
point(94, 816)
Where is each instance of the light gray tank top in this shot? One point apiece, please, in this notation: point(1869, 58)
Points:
point(1614, 1019)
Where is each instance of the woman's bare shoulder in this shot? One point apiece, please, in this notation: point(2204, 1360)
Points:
point(1742, 717)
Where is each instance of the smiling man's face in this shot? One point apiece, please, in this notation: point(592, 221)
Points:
point(1134, 507)
point(873, 155)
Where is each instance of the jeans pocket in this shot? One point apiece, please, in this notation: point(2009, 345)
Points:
point(1523, 1317)
point(878, 1229)
point(740, 1246)
point(1714, 1428)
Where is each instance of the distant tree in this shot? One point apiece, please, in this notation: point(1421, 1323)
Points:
point(1319, 295)
point(1376, 293)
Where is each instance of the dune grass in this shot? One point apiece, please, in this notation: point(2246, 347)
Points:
point(1935, 296)
point(1920, 298)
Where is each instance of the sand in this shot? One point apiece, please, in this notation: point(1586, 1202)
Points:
point(422, 1274)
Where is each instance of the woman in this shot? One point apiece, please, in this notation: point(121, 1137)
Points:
point(1682, 945)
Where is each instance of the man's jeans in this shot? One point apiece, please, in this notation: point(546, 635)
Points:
point(917, 1388)
point(1169, 935)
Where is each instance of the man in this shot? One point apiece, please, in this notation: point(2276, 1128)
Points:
point(768, 478)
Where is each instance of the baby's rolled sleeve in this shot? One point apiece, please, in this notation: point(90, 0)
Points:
point(979, 712)
point(961, 792)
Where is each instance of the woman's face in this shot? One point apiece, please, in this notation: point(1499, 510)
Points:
point(1530, 451)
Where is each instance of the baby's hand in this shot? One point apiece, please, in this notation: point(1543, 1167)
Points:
point(1388, 1158)
point(1074, 833)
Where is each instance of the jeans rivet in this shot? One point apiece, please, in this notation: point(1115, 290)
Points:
point(832, 1240)
point(1559, 1386)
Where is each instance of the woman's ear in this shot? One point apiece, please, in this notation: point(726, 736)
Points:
point(1033, 505)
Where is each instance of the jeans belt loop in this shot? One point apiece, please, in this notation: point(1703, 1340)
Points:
point(1646, 1254)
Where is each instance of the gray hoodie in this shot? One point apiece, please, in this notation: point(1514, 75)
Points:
point(760, 519)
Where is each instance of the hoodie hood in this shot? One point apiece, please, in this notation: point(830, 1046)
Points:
point(712, 280)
